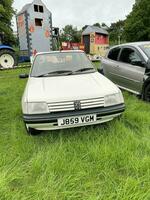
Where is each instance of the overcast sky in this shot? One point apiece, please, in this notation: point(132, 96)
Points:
point(83, 12)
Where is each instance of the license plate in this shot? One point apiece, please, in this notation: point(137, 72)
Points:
point(69, 121)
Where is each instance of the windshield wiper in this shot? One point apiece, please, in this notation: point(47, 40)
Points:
point(58, 72)
point(85, 69)
point(66, 72)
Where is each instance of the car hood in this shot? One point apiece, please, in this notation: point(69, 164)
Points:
point(71, 87)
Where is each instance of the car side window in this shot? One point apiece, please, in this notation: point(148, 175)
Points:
point(130, 56)
point(113, 53)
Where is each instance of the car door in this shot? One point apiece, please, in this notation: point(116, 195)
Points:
point(131, 69)
point(110, 64)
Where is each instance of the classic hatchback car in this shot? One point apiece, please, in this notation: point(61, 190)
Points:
point(64, 90)
point(128, 65)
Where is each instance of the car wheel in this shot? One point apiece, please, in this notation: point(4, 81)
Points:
point(147, 93)
point(32, 131)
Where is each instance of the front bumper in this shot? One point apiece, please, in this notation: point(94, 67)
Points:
point(49, 121)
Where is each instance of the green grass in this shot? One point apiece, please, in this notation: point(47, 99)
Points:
point(103, 162)
point(96, 64)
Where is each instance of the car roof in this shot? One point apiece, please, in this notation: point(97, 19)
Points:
point(61, 51)
point(134, 44)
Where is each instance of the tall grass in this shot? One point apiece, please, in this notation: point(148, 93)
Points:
point(103, 162)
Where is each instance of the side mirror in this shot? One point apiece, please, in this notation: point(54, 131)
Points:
point(23, 75)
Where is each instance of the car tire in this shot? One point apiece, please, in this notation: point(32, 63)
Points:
point(32, 131)
point(146, 95)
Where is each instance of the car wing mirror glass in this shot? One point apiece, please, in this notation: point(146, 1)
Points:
point(23, 76)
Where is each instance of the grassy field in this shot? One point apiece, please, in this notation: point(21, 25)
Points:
point(103, 162)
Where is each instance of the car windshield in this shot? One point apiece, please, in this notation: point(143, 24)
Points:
point(61, 63)
point(146, 49)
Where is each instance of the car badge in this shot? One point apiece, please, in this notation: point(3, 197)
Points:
point(77, 105)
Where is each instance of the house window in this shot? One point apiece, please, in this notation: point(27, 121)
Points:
point(38, 8)
point(41, 9)
point(38, 22)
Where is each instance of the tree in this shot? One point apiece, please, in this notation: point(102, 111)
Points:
point(84, 27)
point(97, 24)
point(104, 26)
point(137, 1)
point(69, 33)
point(6, 14)
point(116, 32)
point(137, 25)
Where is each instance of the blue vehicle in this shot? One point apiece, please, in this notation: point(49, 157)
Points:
point(7, 56)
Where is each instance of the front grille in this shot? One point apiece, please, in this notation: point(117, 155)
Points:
point(69, 105)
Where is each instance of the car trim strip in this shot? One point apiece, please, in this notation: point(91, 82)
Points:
point(125, 77)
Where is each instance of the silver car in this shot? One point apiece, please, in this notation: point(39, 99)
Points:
point(128, 66)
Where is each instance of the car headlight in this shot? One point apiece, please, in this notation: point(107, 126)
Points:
point(114, 99)
point(37, 108)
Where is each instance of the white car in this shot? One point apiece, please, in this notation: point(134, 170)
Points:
point(64, 90)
